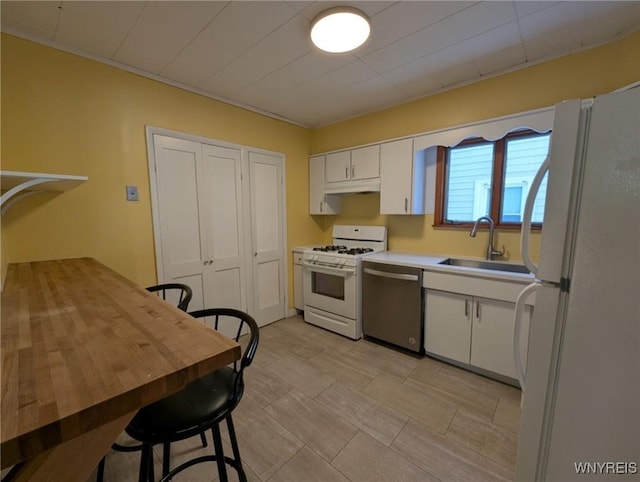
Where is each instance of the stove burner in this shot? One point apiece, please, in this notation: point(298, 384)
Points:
point(331, 248)
point(355, 251)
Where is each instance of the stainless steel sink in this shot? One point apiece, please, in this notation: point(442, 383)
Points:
point(482, 264)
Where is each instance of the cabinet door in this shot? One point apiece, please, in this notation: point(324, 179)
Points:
point(319, 202)
point(396, 177)
point(492, 338)
point(222, 220)
point(338, 167)
point(365, 163)
point(267, 218)
point(447, 325)
point(182, 244)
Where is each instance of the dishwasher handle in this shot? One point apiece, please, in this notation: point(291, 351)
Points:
point(386, 274)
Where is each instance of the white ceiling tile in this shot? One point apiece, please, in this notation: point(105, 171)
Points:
point(451, 66)
point(371, 8)
point(235, 30)
point(353, 73)
point(457, 74)
point(497, 49)
point(105, 14)
point(97, 29)
point(413, 47)
point(553, 30)
point(272, 53)
point(416, 78)
point(405, 18)
point(298, 5)
point(380, 91)
point(34, 18)
point(524, 8)
point(501, 60)
point(482, 17)
point(606, 20)
point(149, 45)
point(311, 65)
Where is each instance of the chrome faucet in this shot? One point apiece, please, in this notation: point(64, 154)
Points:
point(491, 252)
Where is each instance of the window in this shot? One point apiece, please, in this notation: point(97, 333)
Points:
point(490, 178)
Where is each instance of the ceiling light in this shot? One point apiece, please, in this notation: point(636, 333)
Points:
point(340, 29)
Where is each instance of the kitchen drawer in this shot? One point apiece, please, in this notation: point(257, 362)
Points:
point(475, 286)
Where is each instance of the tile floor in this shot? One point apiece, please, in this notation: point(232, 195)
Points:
point(321, 407)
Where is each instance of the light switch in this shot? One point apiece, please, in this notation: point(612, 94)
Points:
point(132, 193)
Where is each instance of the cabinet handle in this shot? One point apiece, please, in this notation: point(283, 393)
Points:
point(346, 172)
point(466, 308)
point(320, 206)
point(478, 310)
point(406, 205)
point(353, 172)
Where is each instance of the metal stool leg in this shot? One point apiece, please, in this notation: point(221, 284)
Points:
point(166, 458)
point(217, 444)
point(234, 441)
point(236, 450)
point(203, 439)
point(145, 459)
point(100, 475)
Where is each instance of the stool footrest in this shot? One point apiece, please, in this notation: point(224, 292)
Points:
point(206, 458)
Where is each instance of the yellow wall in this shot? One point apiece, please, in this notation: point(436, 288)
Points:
point(65, 114)
point(580, 75)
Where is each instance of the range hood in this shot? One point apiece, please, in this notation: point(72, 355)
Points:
point(372, 185)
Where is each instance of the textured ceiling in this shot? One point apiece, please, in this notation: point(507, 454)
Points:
point(258, 54)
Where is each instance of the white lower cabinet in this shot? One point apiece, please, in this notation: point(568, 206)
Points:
point(447, 330)
point(492, 336)
point(473, 330)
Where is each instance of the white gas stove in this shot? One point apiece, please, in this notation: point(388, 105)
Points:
point(332, 278)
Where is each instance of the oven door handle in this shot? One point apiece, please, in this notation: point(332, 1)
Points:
point(344, 272)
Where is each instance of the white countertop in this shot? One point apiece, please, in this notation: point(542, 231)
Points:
point(300, 249)
point(431, 262)
point(413, 260)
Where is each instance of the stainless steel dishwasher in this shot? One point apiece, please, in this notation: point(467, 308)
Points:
point(392, 308)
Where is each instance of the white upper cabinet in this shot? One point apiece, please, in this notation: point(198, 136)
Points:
point(319, 202)
point(338, 167)
point(365, 163)
point(355, 167)
point(402, 178)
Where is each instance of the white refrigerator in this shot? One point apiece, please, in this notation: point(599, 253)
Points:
point(581, 389)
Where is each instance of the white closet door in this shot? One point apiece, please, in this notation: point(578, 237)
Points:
point(222, 218)
point(265, 172)
point(180, 192)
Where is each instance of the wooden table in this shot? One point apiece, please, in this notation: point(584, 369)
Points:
point(83, 348)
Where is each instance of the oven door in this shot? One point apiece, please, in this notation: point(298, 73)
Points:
point(331, 289)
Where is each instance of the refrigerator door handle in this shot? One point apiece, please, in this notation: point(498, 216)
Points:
point(526, 217)
point(517, 331)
